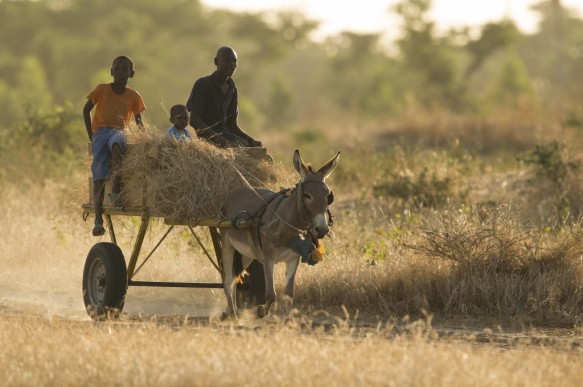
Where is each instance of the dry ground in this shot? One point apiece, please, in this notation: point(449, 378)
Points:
point(172, 337)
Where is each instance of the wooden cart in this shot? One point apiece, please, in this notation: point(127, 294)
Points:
point(106, 277)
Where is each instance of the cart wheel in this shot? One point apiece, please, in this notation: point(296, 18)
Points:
point(105, 281)
point(252, 292)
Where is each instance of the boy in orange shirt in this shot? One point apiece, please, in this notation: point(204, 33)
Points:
point(114, 103)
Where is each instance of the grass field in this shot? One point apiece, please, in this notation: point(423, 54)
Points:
point(447, 266)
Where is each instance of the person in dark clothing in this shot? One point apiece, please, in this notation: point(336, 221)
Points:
point(213, 105)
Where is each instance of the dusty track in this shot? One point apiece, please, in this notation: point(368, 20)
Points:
point(188, 308)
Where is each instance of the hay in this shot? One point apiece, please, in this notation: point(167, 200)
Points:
point(189, 179)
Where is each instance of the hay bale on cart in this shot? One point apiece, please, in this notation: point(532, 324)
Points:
point(185, 180)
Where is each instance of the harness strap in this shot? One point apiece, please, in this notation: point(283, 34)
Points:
point(255, 246)
point(278, 225)
point(244, 215)
point(254, 231)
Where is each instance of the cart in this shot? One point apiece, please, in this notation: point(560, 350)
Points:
point(107, 276)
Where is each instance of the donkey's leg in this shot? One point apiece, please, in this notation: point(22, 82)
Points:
point(228, 277)
point(268, 268)
point(291, 267)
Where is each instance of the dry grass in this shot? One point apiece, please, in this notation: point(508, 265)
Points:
point(498, 266)
point(482, 267)
point(189, 179)
point(44, 351)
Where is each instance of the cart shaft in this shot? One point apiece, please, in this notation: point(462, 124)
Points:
point(205, 285)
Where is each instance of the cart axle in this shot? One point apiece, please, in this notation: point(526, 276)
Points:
point(204, 285)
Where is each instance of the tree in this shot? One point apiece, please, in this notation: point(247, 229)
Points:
point(494, 37)
point(513, 86)
point(554, 56)
point(426, 59)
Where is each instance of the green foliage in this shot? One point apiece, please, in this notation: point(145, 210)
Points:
point(380, 248)
point(48, 143)
point(250, 117)
point(361, 80)
point(65, 48)
point(554, 54)
point(512, 83)
point(351, 74)
point(375, 251)
point(280, 102)
point(56, 131)
point(548, 162)
point(494, 37)
point(421, 180)
point(426, 59)
point(296, 28)
point(425, 190)
point(310, 135)
point(574, 119)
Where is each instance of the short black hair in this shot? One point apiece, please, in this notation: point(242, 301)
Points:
point(224, 49)
point(173, 110)
point(124, 57)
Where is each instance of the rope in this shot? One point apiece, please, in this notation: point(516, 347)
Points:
point(265, 203)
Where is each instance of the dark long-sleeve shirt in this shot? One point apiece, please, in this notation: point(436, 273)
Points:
point(213, 112)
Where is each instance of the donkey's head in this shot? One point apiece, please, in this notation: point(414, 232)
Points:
point(314, 195)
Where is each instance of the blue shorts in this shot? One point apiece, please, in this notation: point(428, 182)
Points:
point(101, 146)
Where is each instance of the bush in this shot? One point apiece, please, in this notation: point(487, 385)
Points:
point(501, 267)
point(46, 144)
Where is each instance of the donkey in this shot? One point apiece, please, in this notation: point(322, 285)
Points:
point(274, 219)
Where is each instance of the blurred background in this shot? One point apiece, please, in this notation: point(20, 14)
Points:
point(410, 80)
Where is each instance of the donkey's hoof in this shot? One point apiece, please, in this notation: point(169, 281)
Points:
point(224, 316)
point(260, 311)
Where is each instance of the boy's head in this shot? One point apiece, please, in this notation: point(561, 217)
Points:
point(226, 61)
point(122, 69)
point(179, 116)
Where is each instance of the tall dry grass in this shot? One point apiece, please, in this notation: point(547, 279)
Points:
point(454, 266)
point(41, 351)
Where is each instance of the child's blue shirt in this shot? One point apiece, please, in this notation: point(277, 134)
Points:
point(179, 135)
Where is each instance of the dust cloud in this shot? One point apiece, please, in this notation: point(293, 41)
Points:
point(44, 242)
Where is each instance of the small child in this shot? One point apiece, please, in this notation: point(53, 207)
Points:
point(179, 119)
point(114, 103)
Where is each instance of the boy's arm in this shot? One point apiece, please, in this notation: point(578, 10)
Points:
point(87, 117)
point(239, 132)
point(139, 121)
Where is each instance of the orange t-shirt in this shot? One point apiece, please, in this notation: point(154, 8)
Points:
point(114, 110)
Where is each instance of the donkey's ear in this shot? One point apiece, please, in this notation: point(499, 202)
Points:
point(327, 168)
point(299, 164)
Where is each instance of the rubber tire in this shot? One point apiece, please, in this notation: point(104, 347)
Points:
point(252, 292)
point(105, 281)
